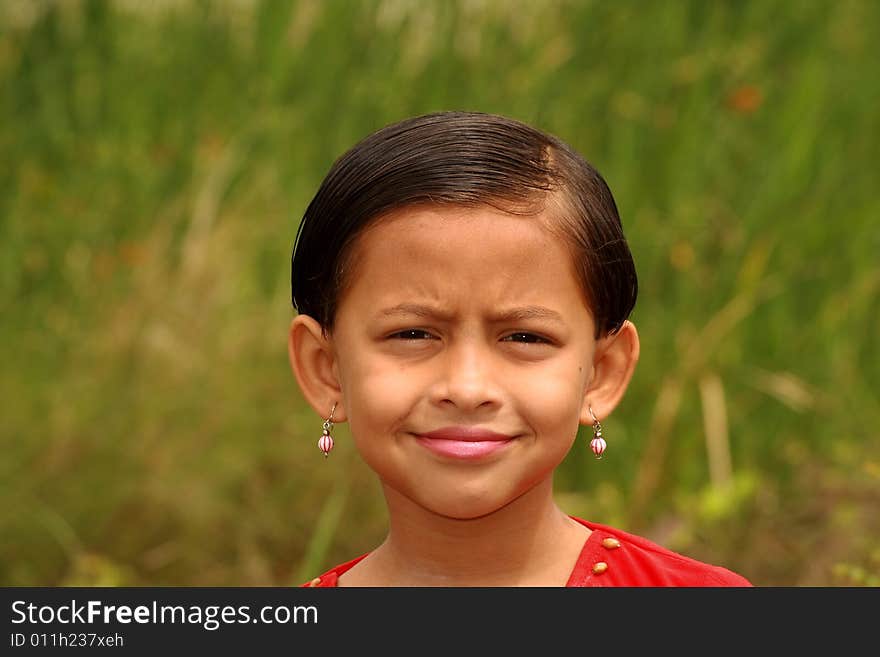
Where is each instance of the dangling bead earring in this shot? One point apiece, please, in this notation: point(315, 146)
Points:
point(325, 442)
point(597, 444)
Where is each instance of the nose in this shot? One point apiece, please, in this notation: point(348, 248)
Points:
point(468, 377)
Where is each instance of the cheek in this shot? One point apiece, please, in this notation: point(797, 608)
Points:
point(552, 402)
point(558, 383)
point(379, 394)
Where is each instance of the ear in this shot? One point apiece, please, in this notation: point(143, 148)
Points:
point(614, 362)
point(314, 365)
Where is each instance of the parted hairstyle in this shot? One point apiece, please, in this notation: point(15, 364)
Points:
point(467, 159)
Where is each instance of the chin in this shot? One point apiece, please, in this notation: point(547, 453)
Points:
point(465, 509)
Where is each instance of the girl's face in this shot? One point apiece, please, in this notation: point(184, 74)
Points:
point(462, 319)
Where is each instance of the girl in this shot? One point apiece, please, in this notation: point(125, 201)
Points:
point(463, 284)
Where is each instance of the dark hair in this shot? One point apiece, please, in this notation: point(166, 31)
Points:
point(465, 159)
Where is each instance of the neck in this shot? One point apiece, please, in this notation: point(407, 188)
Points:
point(528, 542)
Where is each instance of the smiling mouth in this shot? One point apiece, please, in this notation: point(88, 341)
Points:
point(465, 434)
point(463, 447)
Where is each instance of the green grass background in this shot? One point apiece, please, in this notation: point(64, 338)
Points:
point(156, 157)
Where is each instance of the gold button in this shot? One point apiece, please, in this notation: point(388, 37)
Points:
point(611, 543)
point(600, 568)
point(315, 582)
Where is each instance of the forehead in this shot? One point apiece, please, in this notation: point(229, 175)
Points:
point(449, 254)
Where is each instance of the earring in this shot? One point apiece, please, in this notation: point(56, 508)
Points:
point(325, 442)
point(597, 444)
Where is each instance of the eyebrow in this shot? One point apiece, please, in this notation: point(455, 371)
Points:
point(509, 315)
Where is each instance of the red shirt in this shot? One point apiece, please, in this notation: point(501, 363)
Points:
point(611, 557)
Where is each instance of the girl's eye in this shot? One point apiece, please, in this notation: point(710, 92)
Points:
point(411, 334)
point(525, 337)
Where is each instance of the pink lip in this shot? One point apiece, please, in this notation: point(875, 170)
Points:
point(463, 442)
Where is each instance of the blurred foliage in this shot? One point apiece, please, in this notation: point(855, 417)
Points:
point(155, 159)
